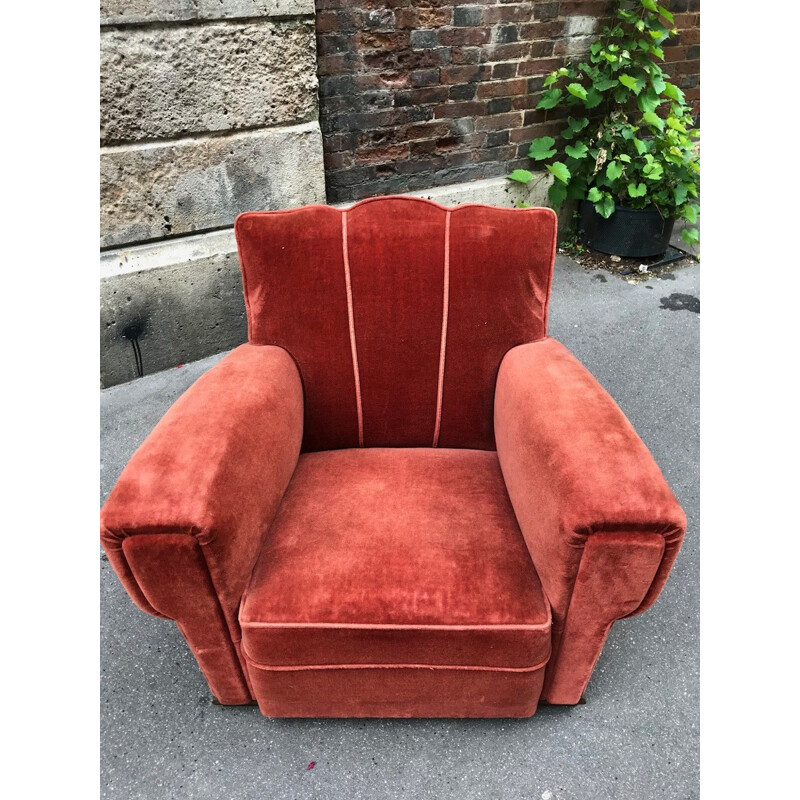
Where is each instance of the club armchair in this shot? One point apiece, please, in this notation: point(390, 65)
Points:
point(400, 498)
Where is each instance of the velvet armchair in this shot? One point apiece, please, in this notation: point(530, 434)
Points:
point(400, 498)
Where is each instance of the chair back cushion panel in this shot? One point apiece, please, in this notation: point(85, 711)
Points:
point(295, 296)
point(398, 312)
point(501, 268)
point(396, 254)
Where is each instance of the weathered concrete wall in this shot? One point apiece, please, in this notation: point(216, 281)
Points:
point(158, 83)
point(208, 108)
point(165, 189)
point(119, 12)
point(177, 300)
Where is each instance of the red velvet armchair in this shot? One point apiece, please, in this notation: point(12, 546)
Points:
point(400, 498)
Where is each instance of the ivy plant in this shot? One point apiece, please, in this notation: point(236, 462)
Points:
point(628, 136)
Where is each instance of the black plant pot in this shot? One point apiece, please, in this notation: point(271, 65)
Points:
point(628, 232)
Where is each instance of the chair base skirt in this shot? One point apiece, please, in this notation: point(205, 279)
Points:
point(416, 692)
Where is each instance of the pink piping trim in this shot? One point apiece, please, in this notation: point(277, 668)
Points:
point(445, 311)
point(351, 323)
point(504, 626)
point(542, 626)
point(304, 667)
point(518, 211)
point(469, 667)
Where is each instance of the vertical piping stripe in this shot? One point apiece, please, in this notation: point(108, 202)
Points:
point(351, 323)
point(443, 345)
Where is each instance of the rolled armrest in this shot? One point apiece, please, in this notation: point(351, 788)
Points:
point(576, 470)
point(184, 523)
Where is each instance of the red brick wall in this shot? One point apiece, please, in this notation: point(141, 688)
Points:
point(682, 53)
point(421, 94)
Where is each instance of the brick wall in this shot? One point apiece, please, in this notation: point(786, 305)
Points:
point(433, 92)
point(682, 53)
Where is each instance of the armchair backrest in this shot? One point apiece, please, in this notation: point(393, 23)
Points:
point(397, 312)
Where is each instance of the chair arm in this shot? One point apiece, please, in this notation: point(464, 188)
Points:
point(576, 471)
point(184, 523)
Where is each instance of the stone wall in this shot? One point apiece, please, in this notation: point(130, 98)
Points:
point(207, 108)
point(422, 93)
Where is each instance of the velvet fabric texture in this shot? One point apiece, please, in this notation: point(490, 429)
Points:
point(574, 467)
point(324, 514)
point(397, 290)
point(397, 692)
point(213, 471)
point(396, 582)
point(396, 557)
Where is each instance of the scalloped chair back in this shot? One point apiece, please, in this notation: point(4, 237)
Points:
point(397, 312)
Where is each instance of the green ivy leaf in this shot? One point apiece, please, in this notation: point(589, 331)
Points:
point(605, 208)
point(674, 158)
point(603, 84)
point(690, 213)
point(653, 171)
point(680, 191)
point(634, 84)
point(578, 150)
point(637, 189)
point(559, 169)
point(621, 95)
point(675, 124)
point(577, 124)
point(520, 176)
point(576, 90)
point(653, 119)
point(625, 158)
point(613, 170)
point(593, 98)
point(641, 147)
point(542, 148)
point(557, 193)
point(650, 5)
point(666, 14)
point(574, 126)
point(550, 98)
point(659, 84)
point(690, 235)
point(673, 92)
point(595, 195)
point(648, 101)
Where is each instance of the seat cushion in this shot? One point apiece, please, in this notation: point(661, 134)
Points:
point(396, 557)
